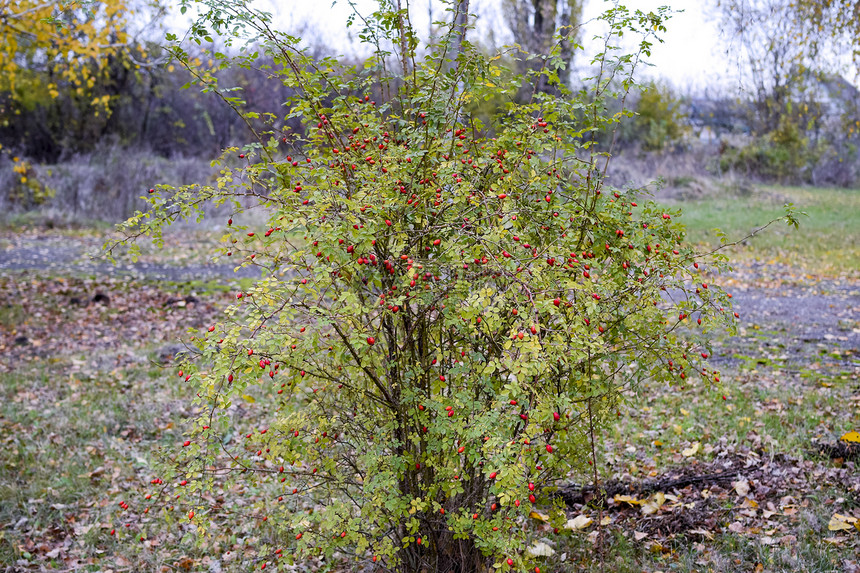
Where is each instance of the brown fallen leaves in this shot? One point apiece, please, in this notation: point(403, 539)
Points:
point(51, 317)
point(769, 500)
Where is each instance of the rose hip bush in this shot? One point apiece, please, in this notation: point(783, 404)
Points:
point(452, 302)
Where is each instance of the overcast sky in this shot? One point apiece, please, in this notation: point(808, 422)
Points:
point(692, 55)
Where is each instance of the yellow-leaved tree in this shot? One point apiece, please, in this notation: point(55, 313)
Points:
point(58, 57)
point(46, 47)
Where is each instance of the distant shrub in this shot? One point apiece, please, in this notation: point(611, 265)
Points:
point(25, 187)
point(660, 121)
point(784, 154)
point(106, 184)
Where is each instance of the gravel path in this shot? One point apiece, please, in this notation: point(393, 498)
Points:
point(791, 319)
point(75, 256)
point(798, 325)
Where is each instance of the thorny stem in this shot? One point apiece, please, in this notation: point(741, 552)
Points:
point(749, 235)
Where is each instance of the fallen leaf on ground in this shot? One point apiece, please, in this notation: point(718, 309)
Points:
point(736, 527)
point(578, 522)
point(628, 499)
point(539, 516)
point(691, 451)
point(639, 535)
point(652, 505)
point(82, 529)
point(839, 522)
point(742, 487)
point(704, 533)
point(541, 549)
point(853, 437)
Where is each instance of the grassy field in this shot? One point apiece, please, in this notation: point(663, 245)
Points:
point(827, 242)
point(89, 394)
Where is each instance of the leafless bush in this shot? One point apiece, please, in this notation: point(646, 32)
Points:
point(681, 174)
point(105, 184)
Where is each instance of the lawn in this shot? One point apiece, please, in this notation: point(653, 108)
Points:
point(827, 241)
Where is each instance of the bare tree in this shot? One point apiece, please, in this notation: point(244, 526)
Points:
point(835, 23)
point(787, 48)
point(772, 62)
point(460, 23)
point(535, 24)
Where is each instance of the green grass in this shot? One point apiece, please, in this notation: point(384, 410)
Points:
point(828, 240)
point(81, 418)
point(784, 412)
point(58, 222)
point(75, 445)
point(12, 314)
point(211, 286)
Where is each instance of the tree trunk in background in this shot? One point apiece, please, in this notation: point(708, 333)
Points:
point(534, 24)
point(461, 22)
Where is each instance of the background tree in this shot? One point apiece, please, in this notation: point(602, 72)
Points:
point(830, 24)
point(68, 62)
point(790, 62)
point(537, 25)
point(773, 63)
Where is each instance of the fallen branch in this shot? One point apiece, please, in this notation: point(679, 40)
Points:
point(574, 494)
point(838, 449)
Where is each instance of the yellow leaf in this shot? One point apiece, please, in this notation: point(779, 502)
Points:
point(539, 516)
point(579, 522)
point(653, 504)
point(853, 437)
point(249, 399)
point(691, 451)
point(628, 499)
point(839, 522)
